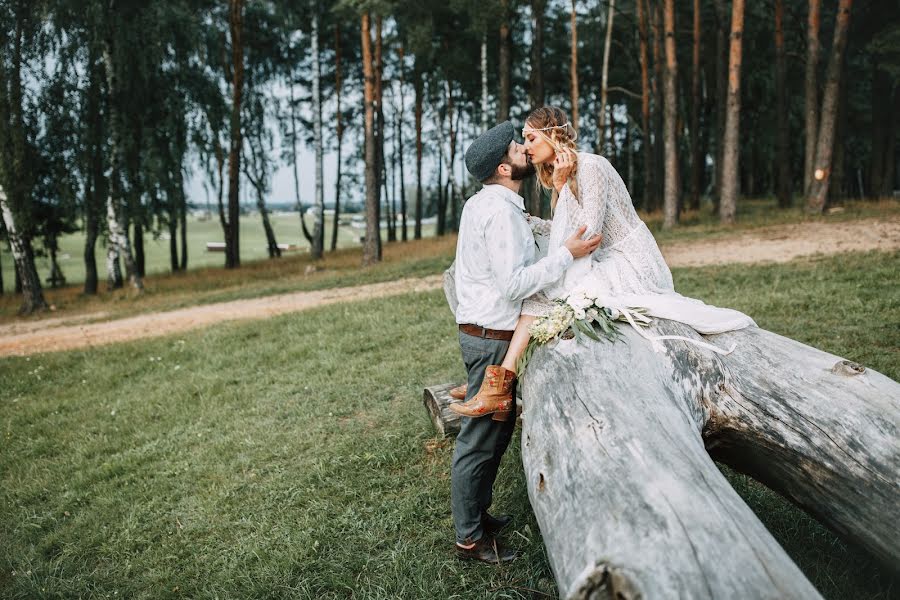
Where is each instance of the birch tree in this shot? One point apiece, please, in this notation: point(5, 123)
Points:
point(339, 133)
point(232, 228)
point(319, 223)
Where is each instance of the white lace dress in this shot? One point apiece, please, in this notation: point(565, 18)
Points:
point(627, 270)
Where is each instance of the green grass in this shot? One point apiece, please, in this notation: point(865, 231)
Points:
point(292, 457)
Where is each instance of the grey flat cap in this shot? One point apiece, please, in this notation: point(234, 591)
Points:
point(488, 150)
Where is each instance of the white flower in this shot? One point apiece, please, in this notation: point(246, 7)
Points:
point(579, 302)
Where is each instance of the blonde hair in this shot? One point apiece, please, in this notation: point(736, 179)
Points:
point(552, 125)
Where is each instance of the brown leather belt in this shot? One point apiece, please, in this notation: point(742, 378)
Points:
point(484, 332)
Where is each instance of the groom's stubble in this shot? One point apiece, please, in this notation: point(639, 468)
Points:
point(518, 173)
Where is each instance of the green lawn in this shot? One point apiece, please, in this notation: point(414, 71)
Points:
point(292, 458)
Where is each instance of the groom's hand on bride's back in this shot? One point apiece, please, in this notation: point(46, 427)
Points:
point(579, 247)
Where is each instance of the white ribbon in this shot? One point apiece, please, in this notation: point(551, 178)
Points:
point(656, 339)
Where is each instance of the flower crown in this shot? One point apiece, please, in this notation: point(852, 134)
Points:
point(566, 126)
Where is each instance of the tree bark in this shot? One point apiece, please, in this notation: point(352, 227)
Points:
point(372, 244)
point(782, 152)
point(94, 178)
point(573, 64)
point(696, 164)
point(232, 233)
point(303, 228)
point(657, 94)
point(672, 193)
point(787, 414)
point(23, 256)
point(731, 141)
point(687, 533)
point(417, 86)
point(451, 159)
point(721, 102)
point(811, 100)
point(646, 142)
point(172, 202)
point(339, 131)
point(604, 79)
point(379, 114)
point(139, 260)
point(484, 83)
point(505, 65)
point(319, 223)
point(118, 244)
point(536, 78)
point(404, 234)
point(182, 216)
point(818, 190)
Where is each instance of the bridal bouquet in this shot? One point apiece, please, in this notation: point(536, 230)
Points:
point(577, 315)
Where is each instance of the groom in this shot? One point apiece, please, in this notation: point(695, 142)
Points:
point(495, 271)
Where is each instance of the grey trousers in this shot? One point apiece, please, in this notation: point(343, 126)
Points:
point(479, 446)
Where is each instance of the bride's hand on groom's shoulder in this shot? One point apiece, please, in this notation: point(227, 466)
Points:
point(579, 247)
point(563, 165)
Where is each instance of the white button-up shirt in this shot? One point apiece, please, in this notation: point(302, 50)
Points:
point(494, 256)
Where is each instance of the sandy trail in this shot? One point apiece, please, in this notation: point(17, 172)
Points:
point(780, 243)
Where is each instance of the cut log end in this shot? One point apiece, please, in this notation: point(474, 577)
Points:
point(437, 401)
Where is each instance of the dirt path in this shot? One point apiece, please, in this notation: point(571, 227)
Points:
point(780, 243)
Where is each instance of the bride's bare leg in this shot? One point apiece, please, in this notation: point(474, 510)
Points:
point(518, 343)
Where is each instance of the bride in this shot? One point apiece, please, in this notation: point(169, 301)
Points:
point(626, 272)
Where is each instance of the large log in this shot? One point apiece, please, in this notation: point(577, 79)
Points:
point(616, 448)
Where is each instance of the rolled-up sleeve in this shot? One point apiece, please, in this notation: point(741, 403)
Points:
point(515, 279)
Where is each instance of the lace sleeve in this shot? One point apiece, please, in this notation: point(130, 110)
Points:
point(539, 226)
point(594, 191)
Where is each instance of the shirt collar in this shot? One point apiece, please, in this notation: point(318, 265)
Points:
point(507, 194)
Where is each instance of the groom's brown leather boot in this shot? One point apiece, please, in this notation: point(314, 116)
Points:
point(494, 398)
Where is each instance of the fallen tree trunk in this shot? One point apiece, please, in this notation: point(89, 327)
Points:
point(616, 446)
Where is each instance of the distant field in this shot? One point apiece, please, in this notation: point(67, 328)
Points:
point(253, 246)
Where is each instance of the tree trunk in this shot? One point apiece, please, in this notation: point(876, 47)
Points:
point(172, 201)
point(505, 65)
point(731, 141)
point(782, 152)
point(536, 79)
point(672, 193)
point(787, 414)
point(484, 83)
point(94, 178)
point(417, 86)
point(339, 130)
point(379, 111)
point(139, 260)
point(441, 203)
point(182, 216)
point(818, 190)
point(451, 159)
point(646, 142)
point(403, 208)
point(811, 100)
point(696, 164)
point(303, 228)
point(573, 64)
point(389, 200)
point(372, 245)
point(688, 533)
point(657, 87)
point(604, 80)
point(23, 256)
point(118, 232)
point(319, 224)
point(232, 233)
point(722, 29)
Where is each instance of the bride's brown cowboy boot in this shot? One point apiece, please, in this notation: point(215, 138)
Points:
point(459, 392)
point(494, 398)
